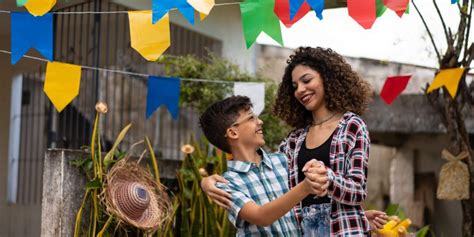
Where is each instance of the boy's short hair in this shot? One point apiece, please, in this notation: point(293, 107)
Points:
point(220, 116)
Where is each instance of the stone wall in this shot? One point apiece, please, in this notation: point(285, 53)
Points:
point(63, 190)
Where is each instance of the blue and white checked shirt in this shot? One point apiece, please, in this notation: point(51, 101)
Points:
point(260, 184)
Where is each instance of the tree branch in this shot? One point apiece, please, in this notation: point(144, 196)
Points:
point(448, 38)
point(428, 30)
point(465, 95)
point(462, 28)
point(468, 56)
point(468, 29)
point(434, 100)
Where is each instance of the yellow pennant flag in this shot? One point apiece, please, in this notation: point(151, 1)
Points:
point(39, 7)
point(448, 78)
point(150, 40)
point(202, 6)
point(202, 16)
point(62, 83)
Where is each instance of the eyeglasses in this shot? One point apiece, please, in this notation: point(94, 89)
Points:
point(251, 117)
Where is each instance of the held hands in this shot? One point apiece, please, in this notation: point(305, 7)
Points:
point(317, 177)
point(220, 197)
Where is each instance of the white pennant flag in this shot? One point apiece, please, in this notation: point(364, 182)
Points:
point(255, 91)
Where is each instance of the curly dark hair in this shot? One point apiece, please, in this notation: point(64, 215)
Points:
point(344, 89)
point(220, 116)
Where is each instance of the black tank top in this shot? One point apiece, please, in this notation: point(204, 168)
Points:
point(320, 153)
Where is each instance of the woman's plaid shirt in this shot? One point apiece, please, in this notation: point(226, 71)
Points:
point(349, 157)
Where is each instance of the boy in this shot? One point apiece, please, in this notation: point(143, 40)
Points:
point(258, 182)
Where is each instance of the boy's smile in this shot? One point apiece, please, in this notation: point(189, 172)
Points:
point(249, 128)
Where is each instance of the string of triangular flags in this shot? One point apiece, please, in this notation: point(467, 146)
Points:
point(63, 80)
point(447, 78)
point(62, 83)
point(257, 16)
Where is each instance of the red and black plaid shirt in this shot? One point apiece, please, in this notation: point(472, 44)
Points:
point(349, 159)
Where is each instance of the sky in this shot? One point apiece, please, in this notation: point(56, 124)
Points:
point(391, 38)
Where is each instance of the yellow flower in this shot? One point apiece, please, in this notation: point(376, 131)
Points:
point(101, 107)
point(187, 149)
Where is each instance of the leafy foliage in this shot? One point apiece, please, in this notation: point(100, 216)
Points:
point(199, 95)
point(194, 213)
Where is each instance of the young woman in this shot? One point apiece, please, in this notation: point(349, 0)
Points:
point(323, 98)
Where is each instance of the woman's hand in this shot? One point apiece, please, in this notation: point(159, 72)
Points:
point(377, 219)
point(220, 197)
point(316, 173)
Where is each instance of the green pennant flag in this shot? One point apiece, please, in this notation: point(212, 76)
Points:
point(380, 8)
point(20, 3)
point(258, 16)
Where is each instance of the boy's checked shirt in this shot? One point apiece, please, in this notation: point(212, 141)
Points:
point(260, 184)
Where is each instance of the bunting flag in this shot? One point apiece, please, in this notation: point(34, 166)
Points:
point(61, 84)
point(295, 5)
point(163, 91)
point(316, 5)
point(39, 7)
point(282, 11)
point(257, 17)
point(381, 8)
point(393, 87)
point(149, 40)
point(255, 91)
point(398, 6)
point(202, 16)
point(202, 6)
point(448, 78)
point(454, 1)
point(20, 3)
point(28, 32)
point(162, 7)
point(363, 12)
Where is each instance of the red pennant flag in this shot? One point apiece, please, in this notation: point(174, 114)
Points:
point(282, 11)
point(363, 11)
point(398, 6)
point(393, 87)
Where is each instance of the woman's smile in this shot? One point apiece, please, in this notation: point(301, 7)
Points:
point(305, 99)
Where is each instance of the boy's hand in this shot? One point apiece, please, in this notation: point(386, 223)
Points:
point(220, 197)
point(316, 173)
point(312, 190)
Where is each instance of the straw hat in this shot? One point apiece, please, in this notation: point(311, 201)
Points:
point(134, 197)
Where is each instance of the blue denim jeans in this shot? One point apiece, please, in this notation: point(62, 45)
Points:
point(316, 220)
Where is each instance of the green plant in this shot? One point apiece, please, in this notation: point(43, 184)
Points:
point(192, 209)
point(95, 167)
point(199, 95)
point(192, 214)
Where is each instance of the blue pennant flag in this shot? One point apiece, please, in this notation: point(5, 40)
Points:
point(28, 32)
point(295, 5)
point(161, 7)
point(316, 5)
point(454, 1)
point(163, 91)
